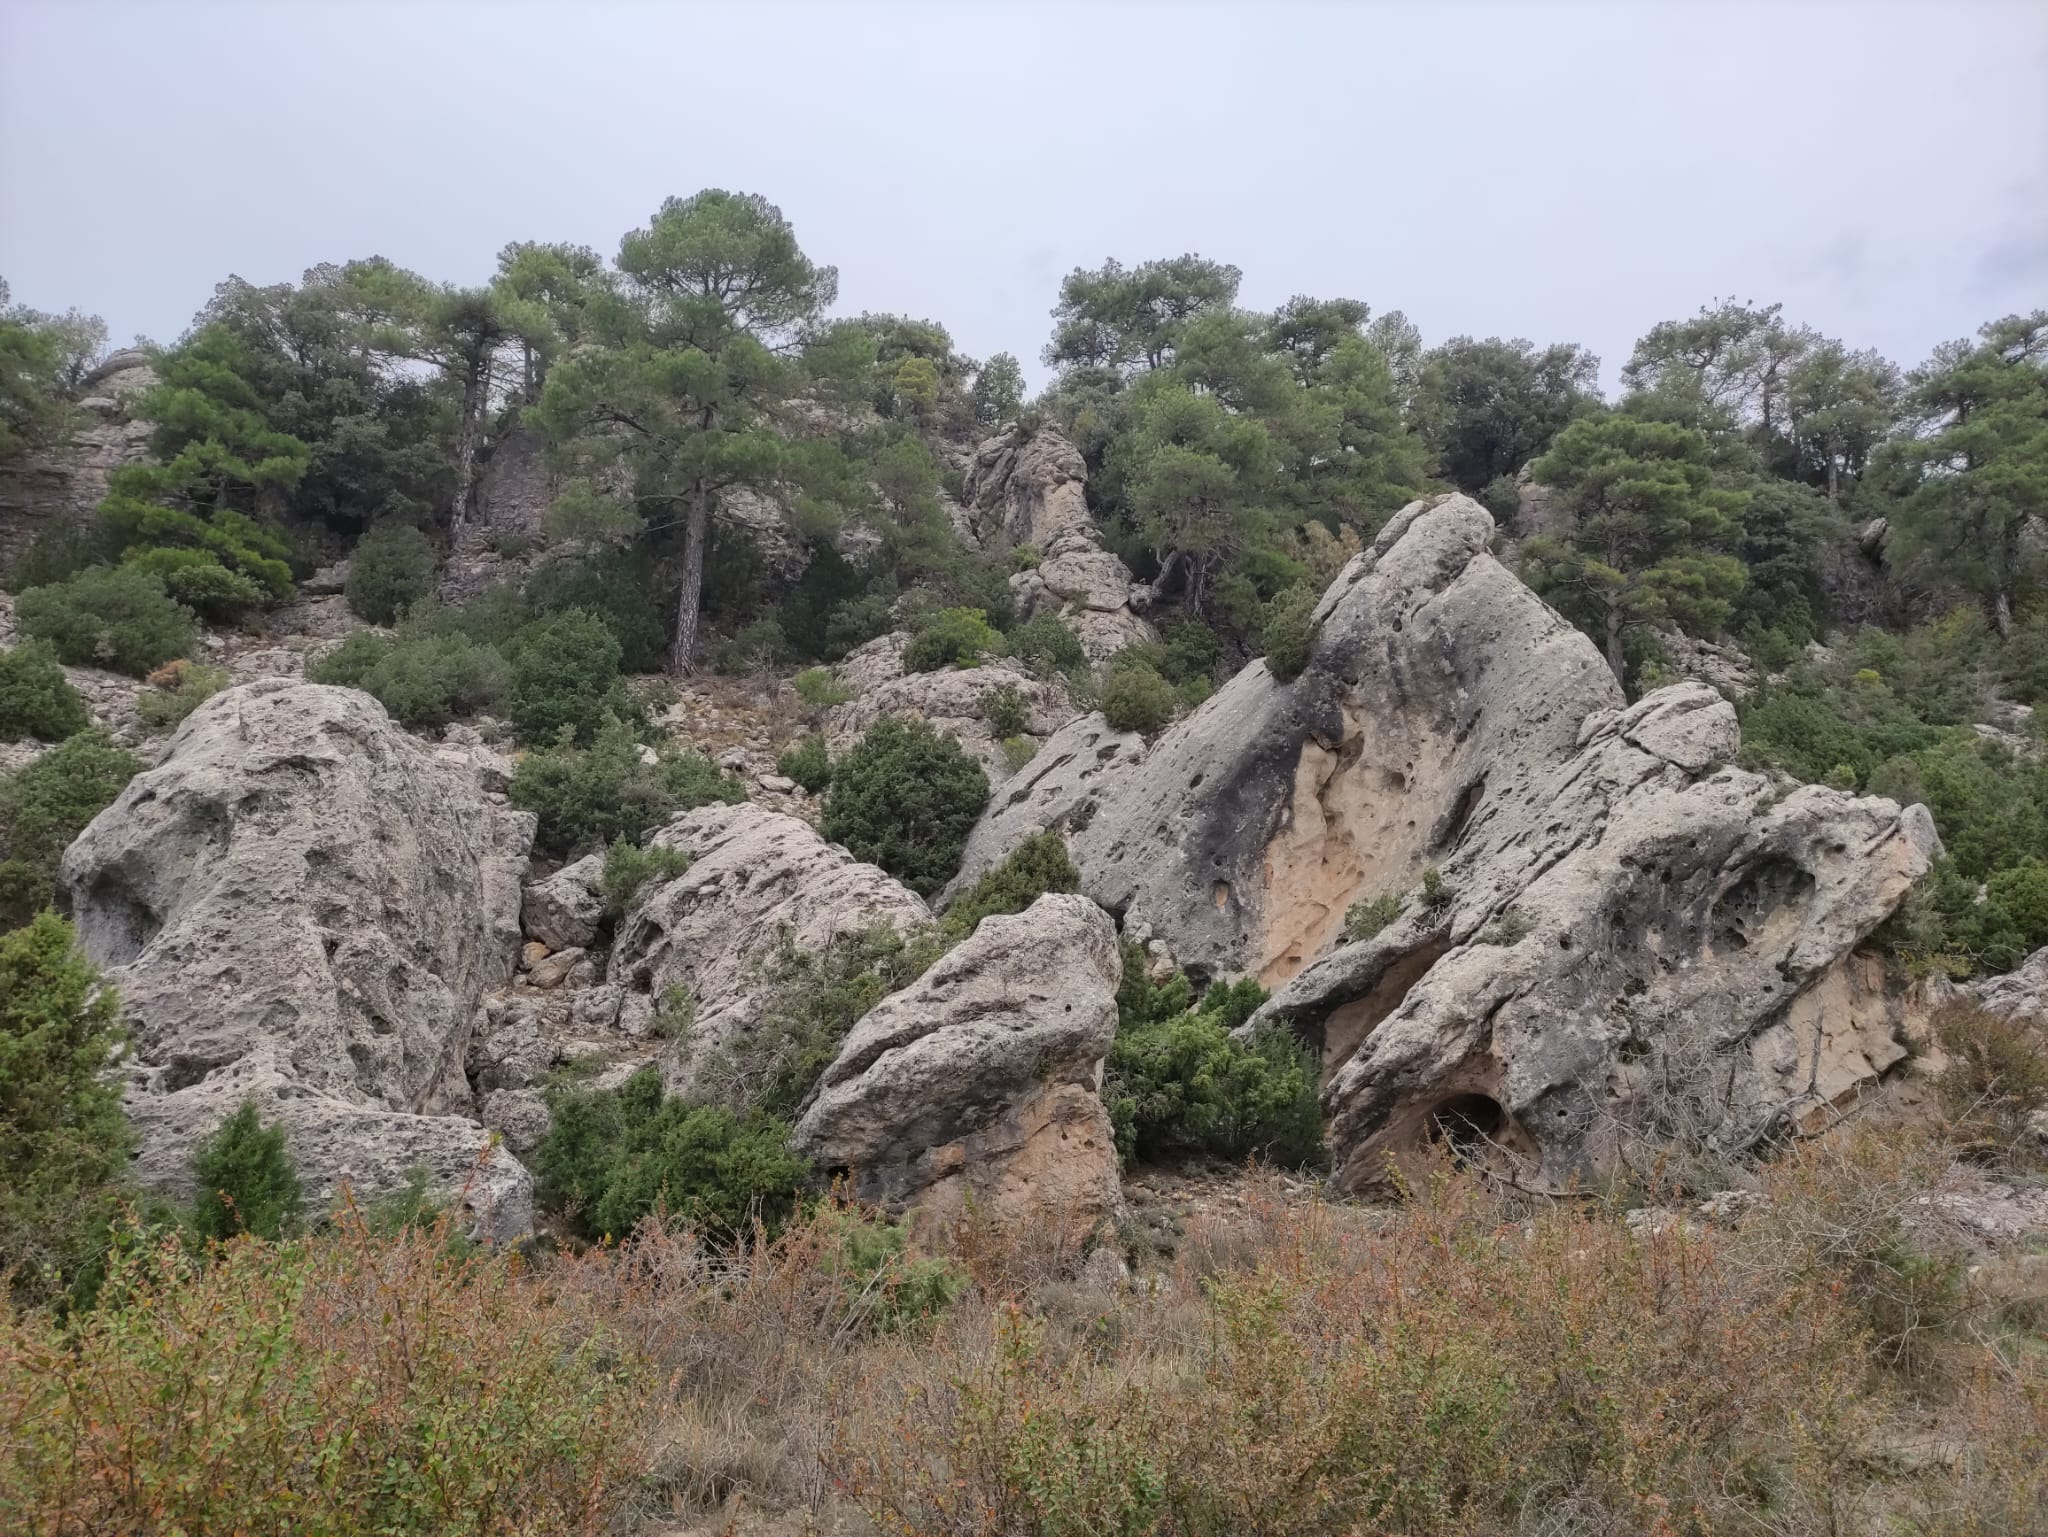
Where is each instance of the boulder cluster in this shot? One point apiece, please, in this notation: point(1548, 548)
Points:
point(1510, 909)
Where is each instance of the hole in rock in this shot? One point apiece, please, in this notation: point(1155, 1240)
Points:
point(1467, 1123)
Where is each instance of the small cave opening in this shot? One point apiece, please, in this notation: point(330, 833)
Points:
point(1468, 1124)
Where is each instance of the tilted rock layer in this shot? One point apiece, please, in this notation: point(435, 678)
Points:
point(980, 1081)
point(1616, 895)
point(757, 879)
point(302, 904)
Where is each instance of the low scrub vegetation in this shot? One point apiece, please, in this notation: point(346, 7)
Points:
point(35, 700)
point(116, 617)
point(905, 798)
point(589, 797)
point(46, 804)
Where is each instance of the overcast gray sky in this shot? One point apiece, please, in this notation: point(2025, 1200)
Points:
point(1556, 171)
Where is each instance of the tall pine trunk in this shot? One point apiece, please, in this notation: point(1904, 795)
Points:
point(473, 391)
point(1615, 657)
point(682, 652)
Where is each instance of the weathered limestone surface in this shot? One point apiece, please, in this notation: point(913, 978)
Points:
point(302, 903)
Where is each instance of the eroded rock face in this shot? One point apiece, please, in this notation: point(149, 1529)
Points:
point(303, 904)
point(1437, 682)
point(68, 483)
point(955, 701)
point(1618, 900)
point(981, 1080)
point(756, 877)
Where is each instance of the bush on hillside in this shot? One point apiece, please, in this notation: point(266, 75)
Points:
point(1996, 1081)
point(613, 1157)
point(391, 570)
point(1034, 867)
point(588, 797)
point(1289, 632)
point(954, 637)
point(1007, 712)
point(809, 763)
point(166, 705)
point(619, 588)
point(565, 677)
point(422, 675)
point(1047, 644)
point(1137, 698)
point(629, 869)
point(197, 579)
point(905, 798)
point(117, 617)
point(46, 804)
point(244, 1180)
point(64, 1142)
point(35, 699)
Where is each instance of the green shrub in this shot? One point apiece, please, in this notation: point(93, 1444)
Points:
point(422, 676)
point(589, 797)
point(905, 798)
point(808, 1002)
point(1046, 643)
point(1365, 919)
point(160, 709)
point(117, 617)
point(818, 689)
point(955, 637)
point(1017, 751)
point(1289, 632)
point(46, 804)
point(870, 1258)
point(809, 763)
point(1007, 712)
point(612, 1157)
point(1037, 865)
point(35, 700)
point(1138, 699)
point(1187, 1084)
point(197, 579)
point(64, 1143)
point(565, 677)
point(391, 570)
point(619, 587)
point(1437, 894)
point(244, 1180)
point(628, 868)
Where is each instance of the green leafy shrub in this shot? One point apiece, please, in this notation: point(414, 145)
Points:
point(587, 797)
point(244, 1180)
point(818, 689)
point(1289, 631)
point(422, 676)
point(1437, 893)
point(870, 1257)
point(809, 1001)
point(620, 588)
point(160, 709)
point(613, 1157)
point(1187, 1084)
point(809, 763)
point(1046, 643)
point(954, 637)
point(35, 700)
point(565, 677)
point(46, 804)
point(1034, 867)
point(197, 579)
point(1007, 712)
point(1017, 751)
point(628, 868)
point(117, 617)
point(391, 570)
point(1138, 699)
point(64, 1142)
point(905, 798)
point(1365, 919)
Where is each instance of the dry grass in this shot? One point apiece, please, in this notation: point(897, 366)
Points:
point(1455, 1366)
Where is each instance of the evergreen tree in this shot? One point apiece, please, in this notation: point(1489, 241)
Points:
point(244, 1179)
point(1487, 408)
point(1649, 536)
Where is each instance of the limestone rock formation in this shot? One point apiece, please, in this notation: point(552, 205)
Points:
point(955, 701)
point(756, 877)
point(981, 1080)
point(68, 483)
point(566, 909)
point(302, 903)
point(1029, 489)
point(1615, 900)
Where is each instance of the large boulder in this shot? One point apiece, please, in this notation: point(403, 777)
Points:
point(981, 1081)
point(757, 880)
point(303, 904)
point(1612, 894)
